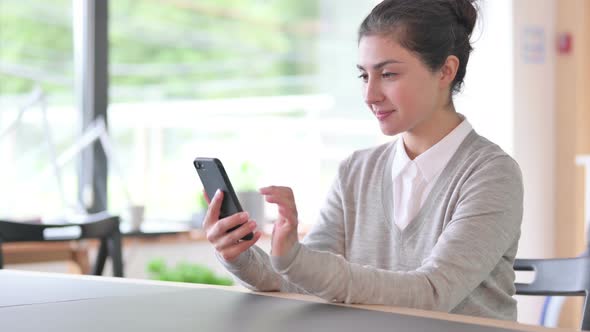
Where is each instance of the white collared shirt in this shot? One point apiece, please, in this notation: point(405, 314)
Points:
point(413, 179)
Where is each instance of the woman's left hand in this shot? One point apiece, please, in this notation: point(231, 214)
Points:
point(284, 233)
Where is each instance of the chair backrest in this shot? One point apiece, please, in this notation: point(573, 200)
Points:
point(95, 228)
point(101, 226)
point(558, 277)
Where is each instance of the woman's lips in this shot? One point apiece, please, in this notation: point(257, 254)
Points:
point(383, 115)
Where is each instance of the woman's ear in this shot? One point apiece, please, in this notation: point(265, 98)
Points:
point(449, 70)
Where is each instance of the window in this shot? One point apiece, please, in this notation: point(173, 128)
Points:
point(249, 82)
point(36, 78)
point(267, 84)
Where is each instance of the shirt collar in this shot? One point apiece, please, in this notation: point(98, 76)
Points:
point(432, 161)
point(401, 158)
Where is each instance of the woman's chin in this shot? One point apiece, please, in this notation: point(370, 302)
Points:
point(389, 130)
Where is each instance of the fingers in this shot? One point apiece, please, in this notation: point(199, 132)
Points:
point(230, 222)
point(284, 198)
point(280, 200)
point(279, 195)
point(288, 214)
point(233, 237)
point(217, 230)
point(276, 191)
point(212, 214)
point(227, 244)
point(231, 253)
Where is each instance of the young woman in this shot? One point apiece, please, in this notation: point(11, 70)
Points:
point(430, 220)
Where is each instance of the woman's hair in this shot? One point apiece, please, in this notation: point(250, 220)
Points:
point(432, 29)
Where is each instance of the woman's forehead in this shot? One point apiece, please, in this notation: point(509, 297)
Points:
point(375, 49)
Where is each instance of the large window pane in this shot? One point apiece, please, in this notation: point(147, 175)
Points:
point(36, 80)
point(237, 80)
point(267, 86)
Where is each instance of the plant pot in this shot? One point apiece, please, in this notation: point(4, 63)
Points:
point(253, 202)
point(197, 219)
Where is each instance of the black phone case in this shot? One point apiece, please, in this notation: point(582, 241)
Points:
point(213, 176)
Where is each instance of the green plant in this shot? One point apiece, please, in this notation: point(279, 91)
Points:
point(185, 272)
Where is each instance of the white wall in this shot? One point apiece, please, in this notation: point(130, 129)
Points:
point(487, 96)
point(534, 120)
point(534, 132)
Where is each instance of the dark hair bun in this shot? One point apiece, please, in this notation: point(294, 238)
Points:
point(466, 13)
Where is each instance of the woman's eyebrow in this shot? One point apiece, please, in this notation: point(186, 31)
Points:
point(380, 64)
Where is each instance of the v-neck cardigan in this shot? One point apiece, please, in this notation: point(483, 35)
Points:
point(456, 255)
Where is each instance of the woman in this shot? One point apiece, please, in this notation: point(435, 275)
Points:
point(431, 220)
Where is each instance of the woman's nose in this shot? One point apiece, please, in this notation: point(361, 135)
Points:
point(373, 92)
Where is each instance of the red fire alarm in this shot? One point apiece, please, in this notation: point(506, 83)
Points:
point(564, 43)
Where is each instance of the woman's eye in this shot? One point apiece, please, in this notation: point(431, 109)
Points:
point(389, 75)
point(364, 77)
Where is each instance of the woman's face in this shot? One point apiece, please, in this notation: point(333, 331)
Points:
point(399, 89)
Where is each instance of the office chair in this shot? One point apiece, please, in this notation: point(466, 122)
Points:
point(97, 226)
point(558, 277)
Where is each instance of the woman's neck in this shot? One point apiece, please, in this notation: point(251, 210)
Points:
point(431, 131)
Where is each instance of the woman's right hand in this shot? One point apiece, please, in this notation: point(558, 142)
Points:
point(228, 245)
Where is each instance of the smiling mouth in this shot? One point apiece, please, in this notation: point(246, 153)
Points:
point(383, 115)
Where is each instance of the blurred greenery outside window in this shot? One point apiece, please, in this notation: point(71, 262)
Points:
point(36, 48)
point(237, 80)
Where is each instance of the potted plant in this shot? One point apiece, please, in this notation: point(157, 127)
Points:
point(246, 183)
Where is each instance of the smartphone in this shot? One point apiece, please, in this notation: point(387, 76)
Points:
point(213, 177)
